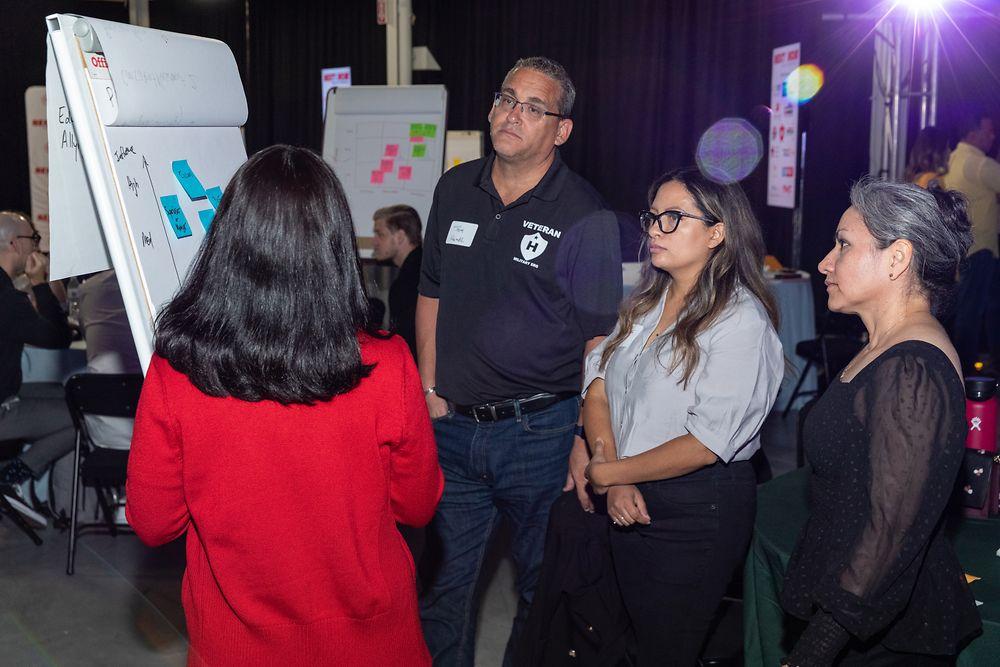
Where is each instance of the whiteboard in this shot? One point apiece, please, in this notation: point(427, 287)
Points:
point(386, 144)
point(156, 119)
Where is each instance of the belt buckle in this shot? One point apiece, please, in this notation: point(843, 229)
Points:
point(491, 407)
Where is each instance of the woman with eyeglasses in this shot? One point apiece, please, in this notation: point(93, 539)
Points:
point(674, 400)
point(285, 437)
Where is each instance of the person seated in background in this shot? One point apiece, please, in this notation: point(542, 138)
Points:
point(34, 412)
point(110, 349)
point(284, 436)
point(928, 158)
point(977, 176)
point(397, 239)
point(674, 402)
point(873, 574)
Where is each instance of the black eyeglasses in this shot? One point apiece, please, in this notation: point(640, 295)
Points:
point(36, 238)
point(530, 110)
point(668, 220)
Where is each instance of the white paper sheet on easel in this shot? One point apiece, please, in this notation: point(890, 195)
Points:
point(76, 242)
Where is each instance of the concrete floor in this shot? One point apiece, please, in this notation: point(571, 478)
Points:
point(122, 607)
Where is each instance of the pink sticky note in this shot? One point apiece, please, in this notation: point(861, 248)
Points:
point(377, 176)
point(391, 150)
point(405, 172)
point(417, 140)
point(387, 165)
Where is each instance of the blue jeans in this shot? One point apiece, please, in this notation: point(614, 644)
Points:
point(512, 469)
point(978, 303)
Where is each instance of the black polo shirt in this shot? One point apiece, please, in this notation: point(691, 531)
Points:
point(21, 324)
point(521, 288)
point(403, 299)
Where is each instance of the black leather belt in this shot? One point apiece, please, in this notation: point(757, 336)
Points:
point(491, 412)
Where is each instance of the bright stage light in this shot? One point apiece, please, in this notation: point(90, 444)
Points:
point(921, 6)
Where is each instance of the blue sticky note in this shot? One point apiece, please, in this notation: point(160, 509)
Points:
point(214, 196)
point(185, 176)
point(175, 215)
point(206, 217)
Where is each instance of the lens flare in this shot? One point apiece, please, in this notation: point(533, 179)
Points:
point(729, 150)
point(804, 82)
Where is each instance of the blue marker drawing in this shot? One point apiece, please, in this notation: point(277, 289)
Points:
point(206, 217)
point(185, 176)
point(214, 196)
point(178, 223)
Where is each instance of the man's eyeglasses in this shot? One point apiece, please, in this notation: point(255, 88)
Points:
point(668, 220)
point(531, 111)
point(36, 238)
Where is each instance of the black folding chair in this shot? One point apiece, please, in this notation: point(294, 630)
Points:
point(838, 342)
point(103, 469)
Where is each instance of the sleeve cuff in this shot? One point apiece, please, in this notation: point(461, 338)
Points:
point(428, 289)
point(850, 611)
point(712, 441)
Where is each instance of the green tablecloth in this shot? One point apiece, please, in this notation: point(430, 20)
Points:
point(782, 510)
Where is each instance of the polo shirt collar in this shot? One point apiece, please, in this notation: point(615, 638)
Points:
point(547, 189)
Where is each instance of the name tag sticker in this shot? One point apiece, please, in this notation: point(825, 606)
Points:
point(461, 233)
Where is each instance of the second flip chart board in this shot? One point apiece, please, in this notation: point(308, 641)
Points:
point(386, 144)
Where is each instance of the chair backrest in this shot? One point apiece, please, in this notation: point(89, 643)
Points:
point(104, 394)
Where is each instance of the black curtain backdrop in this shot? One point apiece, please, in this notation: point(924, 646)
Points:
point(290, 42)
point(651, 76)
point(22, 34)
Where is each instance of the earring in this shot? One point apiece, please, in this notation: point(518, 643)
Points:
point(891, 276)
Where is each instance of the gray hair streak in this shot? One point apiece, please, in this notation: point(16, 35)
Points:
point(554, 71)
point(933, 221)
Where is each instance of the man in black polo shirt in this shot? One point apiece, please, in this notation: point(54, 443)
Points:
point(521, 277)
point(36, 412)
point(397, 239)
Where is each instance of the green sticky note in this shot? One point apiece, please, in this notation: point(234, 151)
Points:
point(419, 150)
point(416, 130)
point(430, 130)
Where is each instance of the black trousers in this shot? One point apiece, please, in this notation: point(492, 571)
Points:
point(674, 572)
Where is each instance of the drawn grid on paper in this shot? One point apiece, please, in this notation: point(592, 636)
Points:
point(389, 157)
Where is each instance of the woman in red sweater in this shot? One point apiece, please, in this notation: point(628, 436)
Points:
point(285, 437)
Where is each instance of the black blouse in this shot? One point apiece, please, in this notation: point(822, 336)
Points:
point(873, 558)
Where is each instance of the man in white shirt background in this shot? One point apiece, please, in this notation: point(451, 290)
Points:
point(976, 175)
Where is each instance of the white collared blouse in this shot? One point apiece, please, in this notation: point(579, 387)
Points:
point(726, 399)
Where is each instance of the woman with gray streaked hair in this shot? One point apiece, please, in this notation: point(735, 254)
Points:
point(873, 573)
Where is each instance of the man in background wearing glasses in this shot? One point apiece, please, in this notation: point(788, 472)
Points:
point(521, 277)
point(32, 412)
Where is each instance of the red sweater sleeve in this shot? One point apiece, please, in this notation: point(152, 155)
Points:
point(416, 482)
point(155, 504)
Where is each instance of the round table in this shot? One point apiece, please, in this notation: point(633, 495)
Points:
point(797, 323)
point(782, 510)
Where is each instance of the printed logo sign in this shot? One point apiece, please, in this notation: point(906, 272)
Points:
point(533, 245)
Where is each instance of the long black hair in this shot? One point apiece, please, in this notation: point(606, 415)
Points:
point(274, 302)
